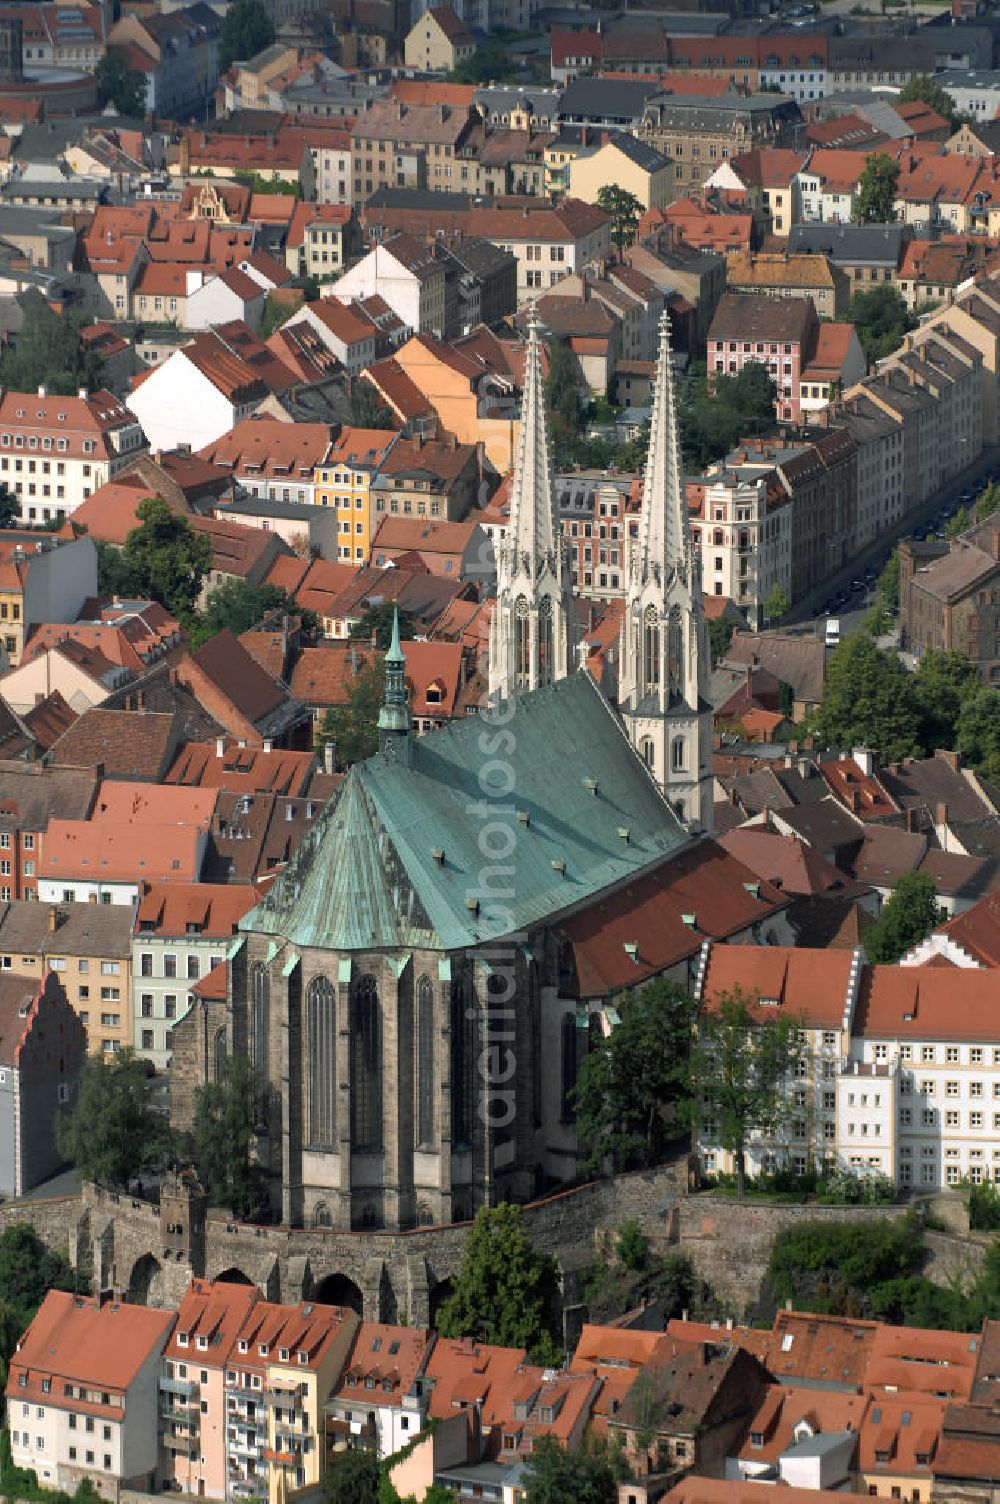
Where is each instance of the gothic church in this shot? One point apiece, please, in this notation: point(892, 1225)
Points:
point(400, 986)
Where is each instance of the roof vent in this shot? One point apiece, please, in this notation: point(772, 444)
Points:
point(624, 832)
point(590, 784)
point(691, 920)
point(438, 855)
point(524, 816)
point(558, 864)
point(753, 889)
point(472, 904)
point(632, 950)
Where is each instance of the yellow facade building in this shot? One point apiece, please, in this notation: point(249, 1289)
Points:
point(628, 163)
point(343, 483)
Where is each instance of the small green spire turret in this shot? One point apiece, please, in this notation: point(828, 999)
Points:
point(394, 726)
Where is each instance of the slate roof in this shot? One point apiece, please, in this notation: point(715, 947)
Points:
point(367, 875)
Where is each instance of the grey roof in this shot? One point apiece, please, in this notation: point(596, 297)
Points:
point(259, 506)
point(32, 795)
point(846, 245)
point(82, 929)
point(395, 862)
point(694, 112)
point(606, 98)
point(639, 152)
point(55, 189)
point(481, 257)
point(498, 97)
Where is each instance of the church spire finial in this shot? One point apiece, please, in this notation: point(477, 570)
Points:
point(394, 717)
point(664, 536)
point(534, 527)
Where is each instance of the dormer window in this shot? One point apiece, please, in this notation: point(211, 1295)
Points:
point(244, 1346)
point(756, 1438)
point(302, 1356)
point(182, 1339)
point(262, 1348)
point(283, 1355)
point(202, 1344)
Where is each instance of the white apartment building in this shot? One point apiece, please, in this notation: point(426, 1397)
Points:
point(745, 540)
point(82, 1393)
point(906, 1084)
point(54, 451)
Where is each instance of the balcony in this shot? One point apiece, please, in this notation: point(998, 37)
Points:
point(180, 1413)
point(186, 1388)
point(244, 1447)
point(284, 1396)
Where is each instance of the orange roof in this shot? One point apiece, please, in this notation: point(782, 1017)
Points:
point(434, 676)
point(860, 792)
point(694, 1489)
point(837, 168)
point(361, 446)
point(415, 91)
point(211, 910)
point(391, 1355)
point(784, 1408)
point(214, 1310)
point(242, 769)
point(309, 213)
point(109, 513)
point(833, 343)
point(920, 1002)
point(97, 1343)
point(213, 984)
point(810, 984)
point(977, 931)
point(467, 1372)
point(344, 323)
point(270, 449)
point(917, 1360)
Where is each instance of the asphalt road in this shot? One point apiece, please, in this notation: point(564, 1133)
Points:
point(808, 614)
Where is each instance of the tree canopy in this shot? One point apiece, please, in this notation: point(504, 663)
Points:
point(119, 85)
point(113, 1133)
point(246, 30)
point(49, 352)
point(562, 389)
point(560, 1475)
point(869, 700)
point(977, 732)
point(910, 913)
point(490, 63)
point(623, 209)
point(164, 560)
point(367, 408)
point(714, 418)
point(238, 606)
point(739, 1066)
point(225, 1139)
point(881, 318)
point(378, 621)
point(353, 727)
point(873, 202)
point(921, 86)
point(631, 1083)
point(505, 1292)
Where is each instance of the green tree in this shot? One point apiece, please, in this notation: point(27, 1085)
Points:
point(720, 635)
point(562, 389)
point(555, 1475)
point(908, 916)
point(977, 732)
point(715, 417)
point(490, 63)
point(277, 311)
point(49, 352)
point(164, 559)
point(987, 502)
point(873, 203)
point(881, 318)
point(246, 30)
point(623, 209)
point(113, 1133)
point(378, 621)
point(119, 85)
point(921, 86)
point(353, 727)
point(739, 1066)
point(944, 683)
point(367, 408)
point(10, 507)
point(353, 1477)
point(505, 1292)
point(777, 606)
point(869, 700)
point(238, 606)
point(28, 1270)
point(887, 585)
point(830, 1267)
point(631, 1084)
point(225, 1139)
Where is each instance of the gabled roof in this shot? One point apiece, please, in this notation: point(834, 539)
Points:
point(570, 847)
point(127, 743)
point(814, 985)
point(94, 1342)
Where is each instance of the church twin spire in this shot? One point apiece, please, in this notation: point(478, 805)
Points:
point(664, 543)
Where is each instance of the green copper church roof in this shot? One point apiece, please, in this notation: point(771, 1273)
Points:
point(525, 816)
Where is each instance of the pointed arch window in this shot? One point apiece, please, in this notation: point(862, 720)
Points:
point(366, 1067)
point(567, 1041)
point(463, 1062)
point(535, 1021)
point(647, 752)
point(220, 1053)
point(423, 1074)
point(260, 1026)
point(321, 1024)
point(650, 651)
point(545, 642)
point(522, 644)
point(675, 649)
point(678, 754)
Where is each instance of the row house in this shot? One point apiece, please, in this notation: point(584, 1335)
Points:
point(867, 255)
point(599, 522)
point(272, 459)
point(344, 484)
point(764, 179)
point(183, 48)
point(321, 240)
point(792, 276)
point(43, 1050)
point(697, 134)
point(974, 315)
point(931, 271)
point(42, 579)
point(826, 186)
point(55, 450)
point(948, 598)
point(400, 145)
point(742, 525)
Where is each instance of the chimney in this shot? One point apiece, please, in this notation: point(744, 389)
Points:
point(268, 745)
point(81, 391)
point(53, 919)
point(940, 813)
point(43, 391)
point(330, 756)
point(220, 746)
point(911, 820)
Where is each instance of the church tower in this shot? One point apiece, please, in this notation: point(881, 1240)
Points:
point(531, 629)
point(663, 675)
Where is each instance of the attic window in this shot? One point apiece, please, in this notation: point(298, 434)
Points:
point(283, 1355)
point(244, 1346)
point(302, 1355)
point(756, 1438)
point(768, 1002)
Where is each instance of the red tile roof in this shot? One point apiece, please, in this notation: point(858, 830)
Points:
point(812, 985)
